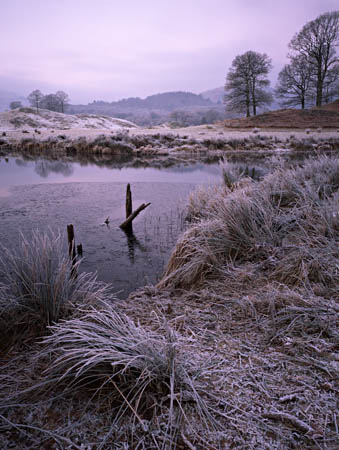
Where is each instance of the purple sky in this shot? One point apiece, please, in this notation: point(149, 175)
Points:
point(110, 49)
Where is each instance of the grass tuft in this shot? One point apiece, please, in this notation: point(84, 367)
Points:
point(137, 372)
point(37, 287)
point(287, 225)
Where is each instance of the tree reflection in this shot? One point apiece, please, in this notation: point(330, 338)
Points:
point(43, 168)
point(21, 162)
point(132, 244)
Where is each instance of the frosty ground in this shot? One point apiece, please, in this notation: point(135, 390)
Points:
point(235, 347)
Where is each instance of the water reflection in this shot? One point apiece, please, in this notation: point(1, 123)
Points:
point(21, 162)
point(132, 244)
point(44, 168)
point(30, 169)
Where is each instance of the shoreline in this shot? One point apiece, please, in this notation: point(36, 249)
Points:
point(160, 141)
point(245, 316)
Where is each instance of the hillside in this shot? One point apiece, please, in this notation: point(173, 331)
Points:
point(29, 118)
point(326, 117)
point(159, 108)
point(215, 95)
point(168, 101)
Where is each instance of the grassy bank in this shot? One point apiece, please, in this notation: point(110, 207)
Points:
point(236, 347)
point(126, 143)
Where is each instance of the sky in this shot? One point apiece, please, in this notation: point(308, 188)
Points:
point(113, 49)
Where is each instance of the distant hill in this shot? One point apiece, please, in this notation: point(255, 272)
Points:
point(167, 101)
point(181, 108)
point(214, 95)
point(325, 117)
point(7, 97)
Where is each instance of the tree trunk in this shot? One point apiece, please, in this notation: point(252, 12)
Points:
point(319, 86)
point(254, 101)
point(248, 113)
point(302, 102)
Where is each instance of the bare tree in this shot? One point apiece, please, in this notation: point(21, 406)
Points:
point(51, 102)
point(295, 82)
point(181, 118)
point(63, 100)
point(35, 98)
point(15, 104)
point(331, 85)
point(316, 42)
point(246, 83)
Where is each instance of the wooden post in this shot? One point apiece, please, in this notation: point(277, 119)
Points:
point(128, 227)
point(71, 247)
point(129, 208)
point(79, 250)
point(71, 242)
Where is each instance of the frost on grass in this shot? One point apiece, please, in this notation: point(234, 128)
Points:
point(237, 346)
point(38, 287)
point(288, 223)
point(143, 380)
point(258, 271)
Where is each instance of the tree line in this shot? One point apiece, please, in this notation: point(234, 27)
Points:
point(54, 102)
point(311, 77)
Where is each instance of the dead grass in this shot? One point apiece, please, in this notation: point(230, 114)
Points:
point(237, 346)
point(326, 116)
point(38, 287)
point(289, 221)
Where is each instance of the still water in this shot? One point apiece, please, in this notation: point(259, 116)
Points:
point(41, 194)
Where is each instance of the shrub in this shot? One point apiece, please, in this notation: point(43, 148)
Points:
point(28, 110)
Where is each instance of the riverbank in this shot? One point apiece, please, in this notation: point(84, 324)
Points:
point(165, 142)
point(237, 345)
point(51, 132)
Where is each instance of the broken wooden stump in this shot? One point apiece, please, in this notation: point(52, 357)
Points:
point(129, 209)
point(71, 248)
point(127, 224)
point(128, 228)
point(79, 250)
point(71, 242)
point(130, 214)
